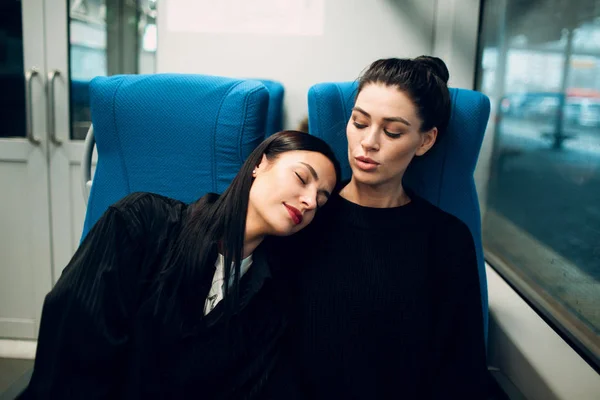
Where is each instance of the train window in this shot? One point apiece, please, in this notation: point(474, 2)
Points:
point(107, 37)
point(539, 62)
point(12, 80)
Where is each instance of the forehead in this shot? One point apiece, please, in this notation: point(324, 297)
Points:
point(318, 161)
point(382, 101)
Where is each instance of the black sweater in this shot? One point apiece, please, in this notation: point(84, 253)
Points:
point(385, 304)
point(100, 337)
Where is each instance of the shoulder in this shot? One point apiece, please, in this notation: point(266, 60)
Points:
point(147, 210)
point(451, 250)
point(441, 221)
point(144, 200)
point(449, 236)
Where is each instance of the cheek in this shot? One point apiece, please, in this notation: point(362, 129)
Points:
point(272, 182)
point(351, 134)
point(282, 187)
point(405, 154)
point(261, 192)
point(404, 151)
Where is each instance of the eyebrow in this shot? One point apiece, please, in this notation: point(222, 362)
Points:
point(316, 176)
point(389, 119)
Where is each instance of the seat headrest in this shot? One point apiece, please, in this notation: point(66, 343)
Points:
point(443, 176)
point(172, 134)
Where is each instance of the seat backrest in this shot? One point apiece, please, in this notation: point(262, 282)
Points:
point(275, 116)
point(176, 135)
point(444, 176)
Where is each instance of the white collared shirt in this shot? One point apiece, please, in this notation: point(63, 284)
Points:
point(215, 295)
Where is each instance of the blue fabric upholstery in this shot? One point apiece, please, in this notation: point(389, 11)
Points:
point(275, 117)
point(176, 135)
point(444, 176)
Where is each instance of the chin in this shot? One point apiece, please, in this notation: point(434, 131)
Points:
point(367, 178)
point(283, 230)
point(284, 233)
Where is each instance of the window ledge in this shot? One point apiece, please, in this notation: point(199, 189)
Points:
point(530, 353)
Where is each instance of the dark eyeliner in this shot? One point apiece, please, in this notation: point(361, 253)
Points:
point(393, 135)
point(299, 177)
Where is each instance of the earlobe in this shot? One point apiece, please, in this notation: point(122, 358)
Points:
point(428, 141)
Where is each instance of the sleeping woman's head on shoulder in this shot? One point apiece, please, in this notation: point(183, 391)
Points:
point(283, 183)
point(402, 107)
point(277, 192)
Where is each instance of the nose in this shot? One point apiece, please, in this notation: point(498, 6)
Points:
point(370, 141)
point(309, 200)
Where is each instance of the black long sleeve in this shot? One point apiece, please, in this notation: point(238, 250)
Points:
point(83, 332)
point(458, 365)
point(103, 335)
point(385, 305)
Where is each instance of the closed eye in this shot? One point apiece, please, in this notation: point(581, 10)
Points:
point(299, 177)
point(393, 135)
point(359, 126)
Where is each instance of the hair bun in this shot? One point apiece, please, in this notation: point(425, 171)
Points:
point(435, 65)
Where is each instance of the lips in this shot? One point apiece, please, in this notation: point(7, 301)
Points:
point(294, 214)
point(366, 163)
point(367, 160)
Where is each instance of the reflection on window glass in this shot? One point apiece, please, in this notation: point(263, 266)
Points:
point(540, 66)
point(107, 37)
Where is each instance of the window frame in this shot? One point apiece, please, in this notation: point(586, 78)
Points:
point(575, 333)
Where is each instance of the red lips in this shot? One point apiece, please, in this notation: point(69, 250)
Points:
point(294, 214)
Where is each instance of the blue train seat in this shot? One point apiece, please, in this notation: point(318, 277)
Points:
point(176, 135)
point(444, 177)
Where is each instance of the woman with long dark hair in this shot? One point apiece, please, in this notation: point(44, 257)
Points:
point(386, 297)
point(168, 300)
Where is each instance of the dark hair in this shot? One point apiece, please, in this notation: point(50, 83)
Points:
point(220, 221)
point(424, 79)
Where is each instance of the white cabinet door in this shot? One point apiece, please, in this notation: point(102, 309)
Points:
point(25, 251)
point(49, 51)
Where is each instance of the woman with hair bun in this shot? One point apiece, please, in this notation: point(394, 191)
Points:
point(386, 297)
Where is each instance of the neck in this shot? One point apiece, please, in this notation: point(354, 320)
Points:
point(375, 196)
point(253, 236)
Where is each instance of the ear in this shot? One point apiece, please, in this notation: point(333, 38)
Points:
point(262, 166)
point(427, 141)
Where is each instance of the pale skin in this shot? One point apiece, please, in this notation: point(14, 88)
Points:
point(384, 129)
point(296, 180)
